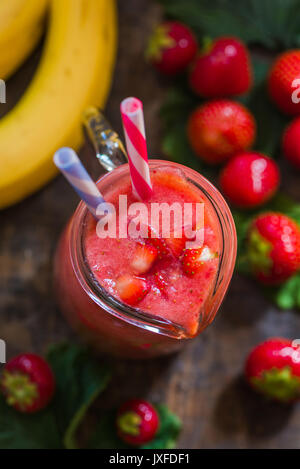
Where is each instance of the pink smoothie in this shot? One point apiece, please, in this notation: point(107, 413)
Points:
point(183, 296)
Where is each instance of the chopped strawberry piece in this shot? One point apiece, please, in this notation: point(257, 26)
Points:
point(159, 243)
point(144, 257)
point(176, 245)
point(131, 289)
point(194, 259)
point(161, 281)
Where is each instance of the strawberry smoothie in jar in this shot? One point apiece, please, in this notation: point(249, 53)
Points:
point(138, 296)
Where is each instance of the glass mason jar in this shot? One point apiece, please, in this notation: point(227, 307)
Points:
point(104, 322)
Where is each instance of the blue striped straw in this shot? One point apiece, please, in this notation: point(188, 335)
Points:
point(71, 167)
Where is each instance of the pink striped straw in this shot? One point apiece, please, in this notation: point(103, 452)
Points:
point(134, 130)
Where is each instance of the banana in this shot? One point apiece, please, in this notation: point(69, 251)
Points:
point(21, 26)
point(75, 72)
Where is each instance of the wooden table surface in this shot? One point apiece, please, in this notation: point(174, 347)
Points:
point(203, 384)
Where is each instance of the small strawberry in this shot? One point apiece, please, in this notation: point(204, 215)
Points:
point(222, 69)
point(137, 422)
point(144, 257)
point(172, 47)
point(291, 142)
point(273, 248)
point(194, 260)
point(27, 383)
point(273, 369)
point(249, 179)
point(218, 130)
point(131, 289)
point(281, 84)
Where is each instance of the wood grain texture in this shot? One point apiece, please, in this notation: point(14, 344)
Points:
point(203, 384)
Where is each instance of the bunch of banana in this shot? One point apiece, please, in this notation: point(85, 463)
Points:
point(21, 26)
point(75, 72)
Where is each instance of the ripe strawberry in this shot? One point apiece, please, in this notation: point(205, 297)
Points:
point(131, 289)
point(137, 422)
point(274, 248)
point(172, 47)
point(281, 86)
point(27, 383)
point(291, 142)
point(222, 69)
point(249, 179)
point(144, 257)
point(219, 129)
point(273, 369)
point(194, 260)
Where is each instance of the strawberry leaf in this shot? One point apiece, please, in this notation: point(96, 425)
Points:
point(271, 23)
point(80, 378)
point(169, 430)
point(287, 296)
point(270, 123)
point(105, 436)
point(21, 431)
point(174, 113)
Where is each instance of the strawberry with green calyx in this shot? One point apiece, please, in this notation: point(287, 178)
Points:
point(222, 69)
point(172, 47)
point(273, 369)
point(137, 422)
point(220, 129)
point(273, 248)
point(27, 383)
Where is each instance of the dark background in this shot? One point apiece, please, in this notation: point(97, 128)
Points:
point(203, 384)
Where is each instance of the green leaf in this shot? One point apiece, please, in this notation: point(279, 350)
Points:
point(105, 436)
point(284, 204)
point(287, 296)
point(23, 431)
point(169, 430)
point(270, 123)
point(272, 23)
point(242, 222)
point(178, 105)
point(80, 379)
